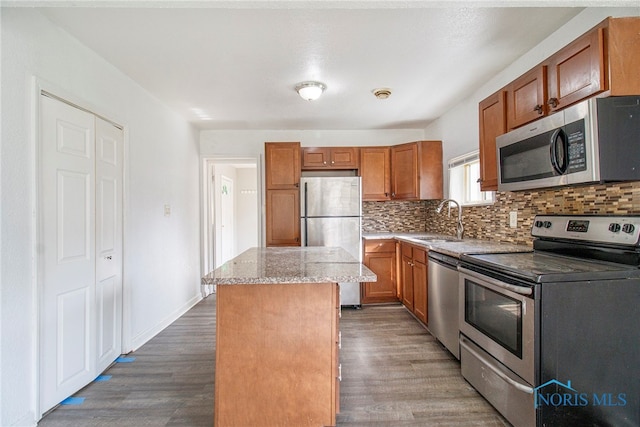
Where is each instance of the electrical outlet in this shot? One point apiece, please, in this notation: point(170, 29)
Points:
point(167, 210)
point(513, 219)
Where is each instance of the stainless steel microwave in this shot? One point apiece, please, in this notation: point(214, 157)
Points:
point(597, 140)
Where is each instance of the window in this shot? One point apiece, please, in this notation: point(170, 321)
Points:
point(464, 185)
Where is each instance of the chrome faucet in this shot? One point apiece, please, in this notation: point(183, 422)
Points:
point(459, 226)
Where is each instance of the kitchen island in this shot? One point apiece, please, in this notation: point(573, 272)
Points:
point(277, 335)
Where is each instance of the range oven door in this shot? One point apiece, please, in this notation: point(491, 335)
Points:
point(500, 318)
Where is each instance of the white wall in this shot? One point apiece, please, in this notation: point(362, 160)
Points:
point(247, 209)
point(251, 143)
point(459, 127)
point(161, 264)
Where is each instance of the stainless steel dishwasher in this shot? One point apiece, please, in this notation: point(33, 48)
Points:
point(442, 300)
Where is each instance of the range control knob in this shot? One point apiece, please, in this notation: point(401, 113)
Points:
point(628, 228)
point(547, 224)
point(539, 224)
point(614, 228)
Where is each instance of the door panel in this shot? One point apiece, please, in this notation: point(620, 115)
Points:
point(109, 167)
point(67, 257)
point(74, 314)
point(80, 263)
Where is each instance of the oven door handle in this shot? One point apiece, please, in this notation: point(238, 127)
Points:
point(522, 290)
point(522, 387)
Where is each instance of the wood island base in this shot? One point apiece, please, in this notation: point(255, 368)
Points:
point(277, 355)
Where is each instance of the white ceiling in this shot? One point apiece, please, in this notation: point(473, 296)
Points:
point(238, 61)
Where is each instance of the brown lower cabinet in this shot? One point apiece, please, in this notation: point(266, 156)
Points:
point(276, 357)
point(413, 278)
point(380, 257)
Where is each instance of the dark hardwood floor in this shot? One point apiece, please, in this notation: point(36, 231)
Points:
point(394, 373)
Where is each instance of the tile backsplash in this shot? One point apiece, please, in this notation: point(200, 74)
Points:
point(491, 222)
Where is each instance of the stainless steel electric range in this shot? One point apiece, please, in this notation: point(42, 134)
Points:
point(552, 337)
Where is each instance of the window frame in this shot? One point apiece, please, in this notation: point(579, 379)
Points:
point(461, 195)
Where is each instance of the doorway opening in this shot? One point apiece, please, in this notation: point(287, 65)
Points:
point(231, 210)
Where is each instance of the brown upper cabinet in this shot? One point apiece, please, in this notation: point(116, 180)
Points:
point(314, 158)
point(577, 71)
point(416, 171)
point(526, 97)
point(604, 59)
point(493, 122)
point(282, 165)
point(375, 170)
point(282, 173)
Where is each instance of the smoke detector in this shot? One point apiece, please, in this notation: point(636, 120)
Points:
point(382, 93)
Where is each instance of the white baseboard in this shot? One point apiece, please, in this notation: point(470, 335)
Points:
point(141, 339)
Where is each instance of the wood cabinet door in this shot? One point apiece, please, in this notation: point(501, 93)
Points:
point(577, 71)
point(375, 170)
point(406, 273)
point(283, 217)
point(622, 37)
point(404, 172)
point(429, 170)
point(493, 122)
point(384, 265)
point(282, 165)
point(315, 157)
point(526, 97)
point(344, 157)
point(420, 290)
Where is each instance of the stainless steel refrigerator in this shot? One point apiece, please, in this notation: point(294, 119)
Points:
point(331, 215)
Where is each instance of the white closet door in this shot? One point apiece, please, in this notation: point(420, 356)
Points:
point(67, 257)
point(109, 159)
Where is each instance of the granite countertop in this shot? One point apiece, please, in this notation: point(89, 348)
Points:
point(290, 265)
point(451, 246)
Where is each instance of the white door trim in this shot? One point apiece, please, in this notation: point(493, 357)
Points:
point(38, 87)
point(205, 193)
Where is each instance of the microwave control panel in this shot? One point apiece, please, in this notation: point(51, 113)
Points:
point(576, 148)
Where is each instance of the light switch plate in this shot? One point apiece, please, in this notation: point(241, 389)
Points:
point(513, 219)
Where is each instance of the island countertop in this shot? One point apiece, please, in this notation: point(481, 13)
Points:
point(290, 265)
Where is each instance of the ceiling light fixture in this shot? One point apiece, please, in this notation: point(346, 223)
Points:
point(310, 90)
point(382, 93)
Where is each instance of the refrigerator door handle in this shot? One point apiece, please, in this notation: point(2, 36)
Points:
point(305, 239)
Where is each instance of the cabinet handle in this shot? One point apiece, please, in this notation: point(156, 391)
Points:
point(538, 108)
point(332, 162)
point(297, 184)
point(553, 102)
point(324, 163)
point(479, 180)
point(386, 194)
point(393, 195)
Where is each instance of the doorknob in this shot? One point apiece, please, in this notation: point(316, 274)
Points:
point(108, 257)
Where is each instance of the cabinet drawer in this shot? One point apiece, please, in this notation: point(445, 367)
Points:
point(379, 245)
point(419, 255)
